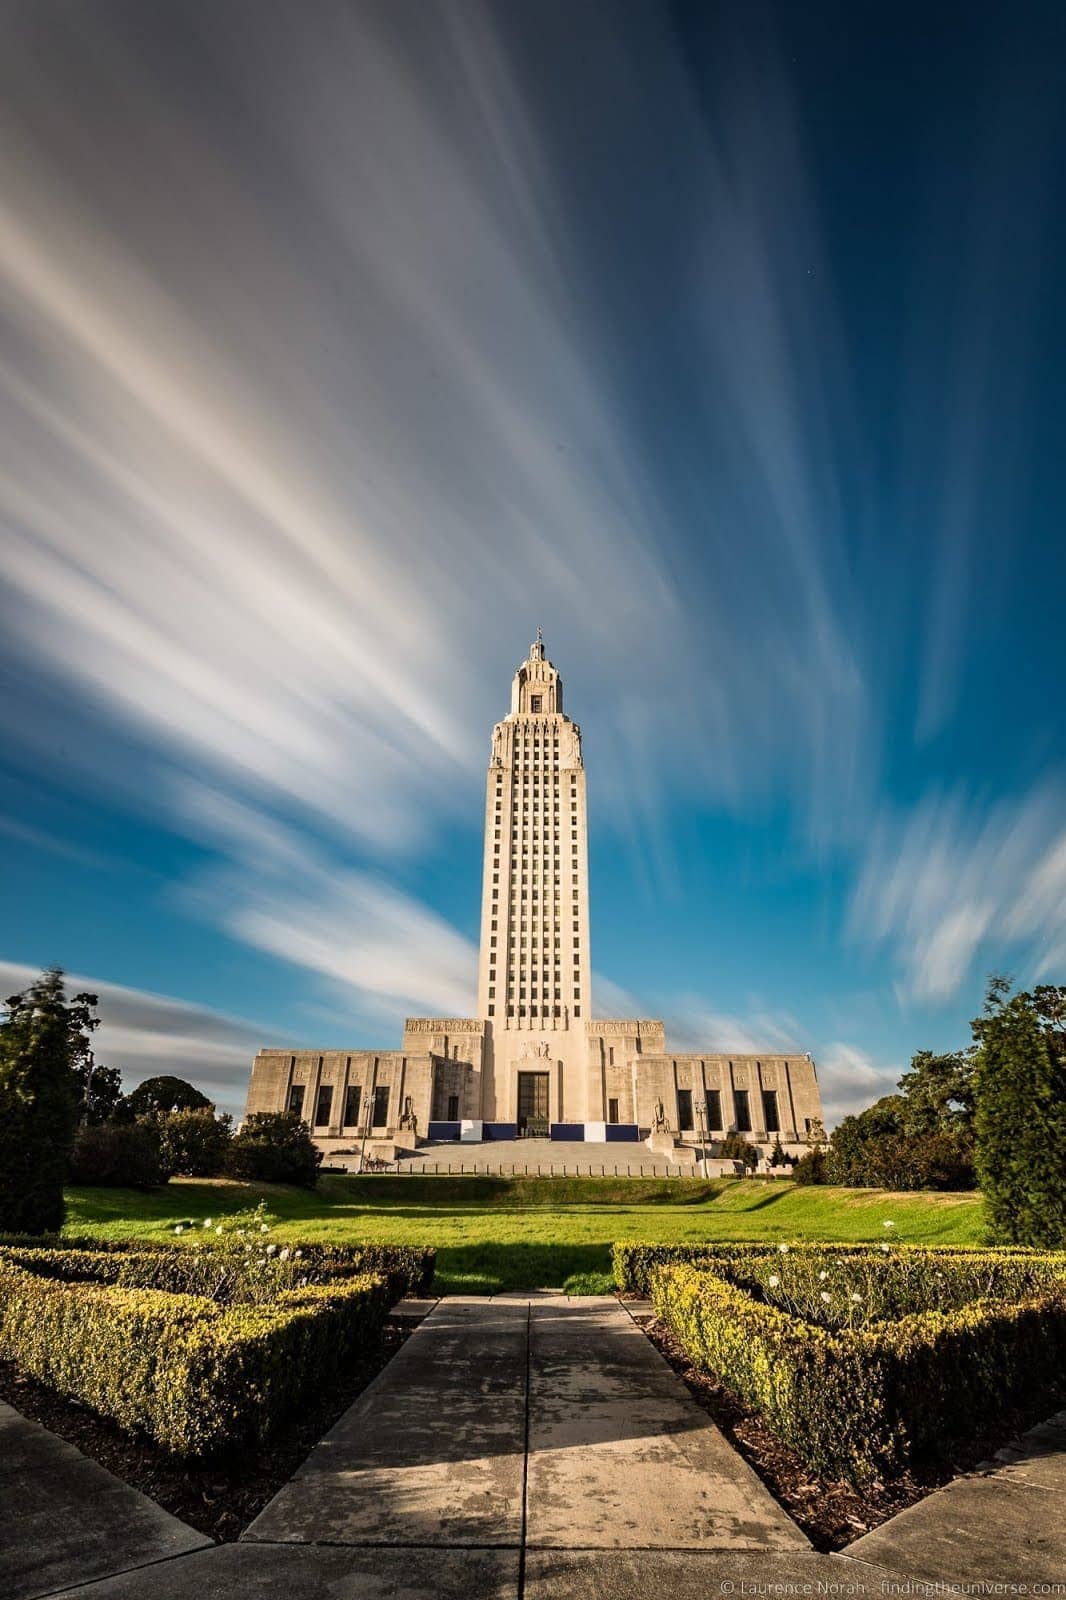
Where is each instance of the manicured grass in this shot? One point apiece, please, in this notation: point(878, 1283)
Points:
point(495, 1233)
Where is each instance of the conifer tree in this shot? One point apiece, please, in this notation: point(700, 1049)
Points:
point(1020, 1114)
point(41, 1041)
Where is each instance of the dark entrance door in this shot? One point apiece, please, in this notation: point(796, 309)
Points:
point(533, 1103)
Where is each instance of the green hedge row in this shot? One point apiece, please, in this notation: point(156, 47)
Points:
point(633, 1261)
point(856, 1403)
point(196, 1377)
point(167, 1264)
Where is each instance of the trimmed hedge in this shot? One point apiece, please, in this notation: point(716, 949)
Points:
point(859, 1402)
point(633, 1261)
point(196, 1377)
point(168, 1264)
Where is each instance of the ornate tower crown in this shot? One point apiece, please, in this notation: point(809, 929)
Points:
point(537, 689)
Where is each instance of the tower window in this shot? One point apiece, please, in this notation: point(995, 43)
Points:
point(534, 702)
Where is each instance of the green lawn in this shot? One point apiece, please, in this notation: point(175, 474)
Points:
point(497, 1233)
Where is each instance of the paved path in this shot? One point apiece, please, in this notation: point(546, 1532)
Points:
point(517, 1424)
point(65, 1519)
point(538, 1448)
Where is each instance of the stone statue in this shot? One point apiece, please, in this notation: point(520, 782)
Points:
point(407, 1118)
point(659, 1118)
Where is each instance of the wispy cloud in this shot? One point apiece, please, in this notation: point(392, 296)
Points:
point(277, 516)
point(145, 1035)
point(956, 879)
point(383, 951)
point(850, 1081)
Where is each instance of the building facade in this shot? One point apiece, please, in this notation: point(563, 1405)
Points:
point(534, 1062)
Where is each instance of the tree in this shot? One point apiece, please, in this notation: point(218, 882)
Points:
point(101, 1091)
point(734, 1147)
point(163, 1094)
point(275, 1147)
point(42, 1040)
point(938, 1092)
point(1020, 1115)
point(117, 1155)
point(810, 1168)
point(192, 1144)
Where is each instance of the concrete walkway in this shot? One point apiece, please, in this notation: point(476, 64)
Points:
point(65, 1519)
point(534, 1448)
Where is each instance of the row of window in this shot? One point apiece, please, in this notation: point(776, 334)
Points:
point(352, 1102)
point(771, 1121)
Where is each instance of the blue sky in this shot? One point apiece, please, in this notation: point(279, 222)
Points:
point(725, 343)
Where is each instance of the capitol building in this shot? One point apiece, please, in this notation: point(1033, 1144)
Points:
point(534, 1062)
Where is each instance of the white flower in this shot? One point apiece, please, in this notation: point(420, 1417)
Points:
point(272, 1249)
point(856, 1297)
point(297, 1254)
point(825, 1297)
point(284, 1256)
point(264, 1227)
point(207, 1222)
point(179, 1228)
point(773, 1280)
point(885, 1246)
point(783, 1249)
point(888, 1224)
point(219, 1228)
point(823, 1275)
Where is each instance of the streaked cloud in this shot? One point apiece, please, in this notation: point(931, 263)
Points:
point(277, 515)
point(850, 1081)
point(385, 953)
point(958, 880)
point(146, 1035)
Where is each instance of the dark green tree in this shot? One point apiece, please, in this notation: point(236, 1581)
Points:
point(1020, 1114)
point(43, 1038)
point(100, 1089)
point(938, 1092)
point(162, 1094)
point(192, 1144)
point(274, 1147)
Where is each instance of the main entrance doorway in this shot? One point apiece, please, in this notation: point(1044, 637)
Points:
point(532, 1105)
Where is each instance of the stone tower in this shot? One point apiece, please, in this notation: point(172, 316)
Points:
point(534, 1062)
point(533, 974)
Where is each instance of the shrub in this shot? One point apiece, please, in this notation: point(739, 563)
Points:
point(193, 1144)
point(810, 1168)
point(634, 1261)
point(859, 1401)
point(734, 1147)
point(214, 1266)
point(274, 1147)
point(121, 1156)
point(195, 1376)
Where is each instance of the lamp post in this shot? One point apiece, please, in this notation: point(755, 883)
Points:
point(365, 1119)
point(702, 1130)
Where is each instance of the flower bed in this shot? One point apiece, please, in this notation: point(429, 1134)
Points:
point(864, 1361)
point(198, 1347)
point(633, 1261)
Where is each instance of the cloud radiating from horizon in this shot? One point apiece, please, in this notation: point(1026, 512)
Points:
point(337, 359)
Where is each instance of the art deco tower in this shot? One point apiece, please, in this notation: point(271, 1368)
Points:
point(534, 971)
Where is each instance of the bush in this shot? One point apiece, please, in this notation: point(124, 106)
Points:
point(633, 1261)
point(195, 1376)
point(811, 1167)
point(204, 1266)
point(274, 1147)
point(192, 1144)
point(858, 1401)
point(120, 1156)
point(734, 1147)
